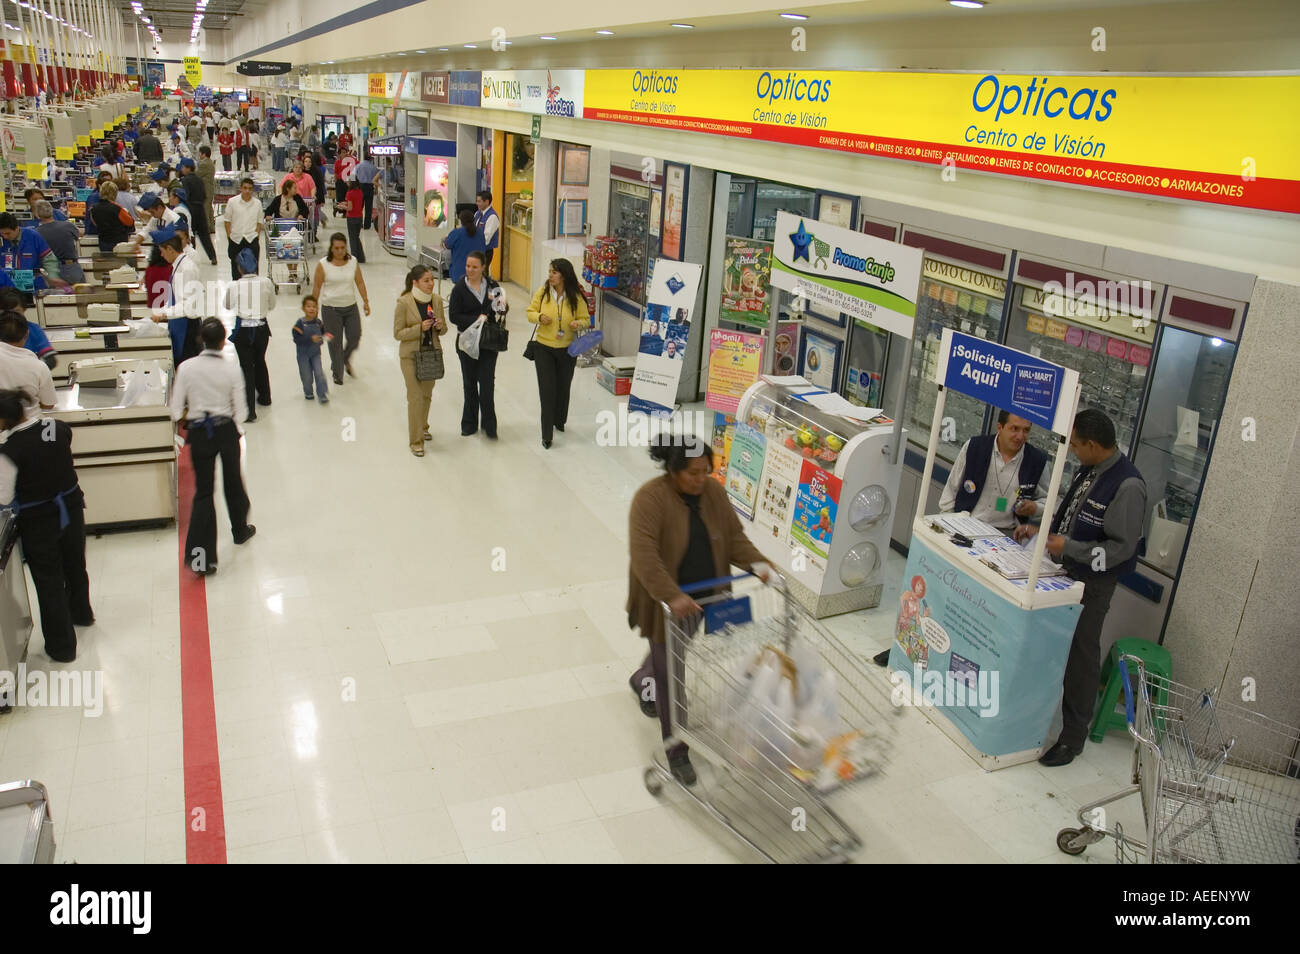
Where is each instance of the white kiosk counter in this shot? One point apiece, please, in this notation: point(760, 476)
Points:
point(125, 454)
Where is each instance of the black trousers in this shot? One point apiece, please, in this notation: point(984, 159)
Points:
point(241, 157)
point(234, 248)
point(199, 223)
point(1083, 668)
point(354, 240)
point(225, 161)
point(57, 559)
point(554, 380)
point(368, 192)
point(201, 540)
point(340, 191)
point(250, 346)
point(479, 378)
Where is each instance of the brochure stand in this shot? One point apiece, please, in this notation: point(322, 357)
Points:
point(983, 656)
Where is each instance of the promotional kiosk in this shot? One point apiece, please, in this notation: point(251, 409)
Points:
point(430, 181)
point(982, 651)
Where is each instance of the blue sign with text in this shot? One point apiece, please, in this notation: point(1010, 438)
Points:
point(1004, 377)
point(466, 88)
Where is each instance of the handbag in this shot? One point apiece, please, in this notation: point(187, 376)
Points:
point(495, 337)
point(429, 365)
point(530, 349)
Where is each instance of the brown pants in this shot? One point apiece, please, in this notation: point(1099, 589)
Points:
point(419, 394)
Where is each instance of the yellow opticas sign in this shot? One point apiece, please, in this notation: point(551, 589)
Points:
point(1229, 140)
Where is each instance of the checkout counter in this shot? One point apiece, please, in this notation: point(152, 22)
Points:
point(984, 625)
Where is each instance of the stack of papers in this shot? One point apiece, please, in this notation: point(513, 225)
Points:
point(963, 524)
point(1015, 564)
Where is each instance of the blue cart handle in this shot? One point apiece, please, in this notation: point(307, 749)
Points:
point(717, 581)
point(1129, 712)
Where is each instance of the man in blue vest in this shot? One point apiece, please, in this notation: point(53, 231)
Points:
point(1097, 535)
point(488, 222)
point(998, 478)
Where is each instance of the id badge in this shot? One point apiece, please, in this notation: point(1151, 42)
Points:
point(1001, 505)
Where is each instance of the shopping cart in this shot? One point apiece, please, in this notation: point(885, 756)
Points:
point(313, 224)
point(1219, 783)
point(770, 769)
point(284, 244)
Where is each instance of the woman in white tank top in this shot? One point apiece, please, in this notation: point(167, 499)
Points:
point(335, 285)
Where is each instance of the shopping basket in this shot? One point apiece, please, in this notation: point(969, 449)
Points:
point(1219, 783)
point(770, 768)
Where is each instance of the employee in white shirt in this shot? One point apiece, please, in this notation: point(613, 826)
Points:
point(208, 394)
point(489, 222)
point(998, 478)
point(188, 298)
point(251, 299)
point(243, 226)
point(154, 216)
point(20, 369)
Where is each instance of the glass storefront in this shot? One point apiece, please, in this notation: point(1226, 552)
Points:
point(631, 222)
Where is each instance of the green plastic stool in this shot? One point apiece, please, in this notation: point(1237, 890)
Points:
point(1155, 658)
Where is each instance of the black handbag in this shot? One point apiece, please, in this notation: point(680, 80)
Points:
point(429, 365)
point(495, 337)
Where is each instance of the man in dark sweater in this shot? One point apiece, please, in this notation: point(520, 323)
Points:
point(148, 148)
point(1097, 535)
point(197, 200)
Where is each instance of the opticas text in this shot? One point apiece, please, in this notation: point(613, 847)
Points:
point(1011, 98)
point(654, 82)
point(792, 87)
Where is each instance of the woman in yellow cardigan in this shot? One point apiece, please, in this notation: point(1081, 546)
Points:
point(559, 311)
point(417, 317)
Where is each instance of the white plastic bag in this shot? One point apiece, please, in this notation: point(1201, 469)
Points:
point(468, 339)
point(145, 328)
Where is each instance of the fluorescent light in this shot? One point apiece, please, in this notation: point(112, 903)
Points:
point(684, 26)
point(401, 54)
point(796, 16)
point(471, 46)
point(967, 4)
point(605, 32)
point(442, 49)
point(421, 51)
point(1216, 342)
point(547, 38)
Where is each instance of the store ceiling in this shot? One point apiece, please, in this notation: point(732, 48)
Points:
point(173, 17)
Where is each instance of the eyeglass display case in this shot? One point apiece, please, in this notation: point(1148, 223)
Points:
point(638, 237)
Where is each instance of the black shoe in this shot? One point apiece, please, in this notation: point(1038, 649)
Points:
point(679, 762)
point(1059, 754)
point(244, 537)
point(87, 620)
point(881, 659)
point(347, 365)
point(560, 428)
point(648, 707)
point(338, 381)
point(468, 433)
point(266, 403)
point(72, 658)
point(251, 419)
point(546, 443)
point(211, 569)
point(490, 435)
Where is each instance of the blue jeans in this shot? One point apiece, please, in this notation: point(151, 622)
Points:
point(277, 159)
point(309, 368)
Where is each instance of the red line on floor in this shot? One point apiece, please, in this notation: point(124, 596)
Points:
point(207, 845)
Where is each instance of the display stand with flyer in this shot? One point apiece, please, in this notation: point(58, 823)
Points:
point(984, 625)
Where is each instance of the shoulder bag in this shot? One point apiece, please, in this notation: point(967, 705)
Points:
point(495, 336)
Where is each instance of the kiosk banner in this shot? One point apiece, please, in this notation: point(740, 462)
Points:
point(992, 668)
point(776, 493)
point(848, 271)
point(735, 361)
point(816, 503)
point(664, 333)
point(1008, 379)
point(745, 468)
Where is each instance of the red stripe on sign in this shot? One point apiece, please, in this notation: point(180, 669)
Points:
point(205, 819)
point(1278, 195)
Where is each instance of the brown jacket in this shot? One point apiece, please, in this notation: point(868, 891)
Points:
point(659, 528)
point(406, 324)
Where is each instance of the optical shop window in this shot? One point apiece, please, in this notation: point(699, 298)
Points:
point(955, 295)
point(635, 220)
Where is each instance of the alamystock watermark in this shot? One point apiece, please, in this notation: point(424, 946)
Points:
point(61, 689)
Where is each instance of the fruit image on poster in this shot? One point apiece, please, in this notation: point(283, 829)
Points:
point(437, 174)
point(776, 491)
point(746, 277)
point(816, 503)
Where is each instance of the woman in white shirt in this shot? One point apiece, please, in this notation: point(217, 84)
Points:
point(335, 286)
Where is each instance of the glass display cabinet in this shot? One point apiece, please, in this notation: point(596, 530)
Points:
point(629, 222)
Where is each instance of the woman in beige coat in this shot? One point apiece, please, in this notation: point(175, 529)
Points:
point(418, 317)
point(682, 530)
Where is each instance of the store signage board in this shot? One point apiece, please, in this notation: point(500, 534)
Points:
point(1084, 311)
point(1029, 387)
point(968, 278)
point(847, 271)
point(435, 87)
point(193, 70)
point(665, 331)
point(384, 149)
point(466, 87)
point(542, 92)
point(262, 68)
point(1178, 137)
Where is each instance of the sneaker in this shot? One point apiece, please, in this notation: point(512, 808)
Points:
point(324, 399)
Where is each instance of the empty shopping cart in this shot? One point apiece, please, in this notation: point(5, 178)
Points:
point(782, 713)
point(1218, 781)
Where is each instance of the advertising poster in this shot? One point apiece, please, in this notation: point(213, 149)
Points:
point(735, 362)
point(674, 209)
point(821, 360)
point(1037, 390)
point(787, 348)
point(746, 277)
point(954, 634)
point(776, 492)
point(664, 333)
point(437, 173)
point(724, 426)
point(816, 502)
point(863, 387)
point(745, 468)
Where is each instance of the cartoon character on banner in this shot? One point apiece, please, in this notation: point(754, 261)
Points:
point(911, 612)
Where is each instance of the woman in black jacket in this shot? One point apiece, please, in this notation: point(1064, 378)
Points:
point(288, 204)
point(473, 296)
point(38, 479)
point(113, 224)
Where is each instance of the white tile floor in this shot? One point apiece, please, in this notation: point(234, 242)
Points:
point(491, 721)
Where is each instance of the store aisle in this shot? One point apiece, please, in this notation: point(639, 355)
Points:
point(426, 659)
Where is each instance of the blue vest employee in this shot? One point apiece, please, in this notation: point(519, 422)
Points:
point(998, 488)
point(488, 222)
point(1097, 535)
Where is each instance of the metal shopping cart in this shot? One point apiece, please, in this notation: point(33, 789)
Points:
point(313, 224)
point(770, 768)
point(284, 245)
point(1219, 783)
